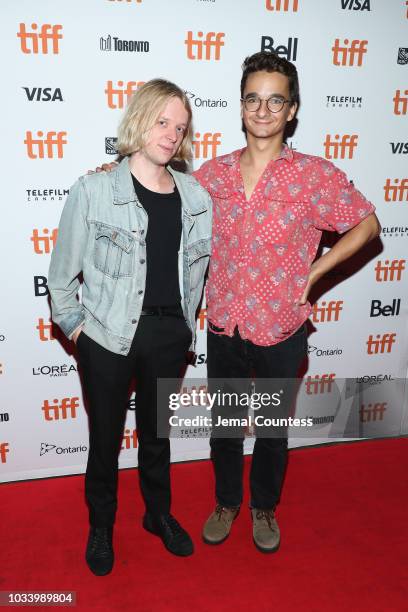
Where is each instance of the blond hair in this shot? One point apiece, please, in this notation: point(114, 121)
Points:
point(141, 114)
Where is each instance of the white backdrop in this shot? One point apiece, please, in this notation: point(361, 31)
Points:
point(67, 67)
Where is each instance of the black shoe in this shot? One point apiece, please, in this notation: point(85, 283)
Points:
point(173, 536)
point(99, 550)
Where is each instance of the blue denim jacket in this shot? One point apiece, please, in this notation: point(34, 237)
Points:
point(102, 233)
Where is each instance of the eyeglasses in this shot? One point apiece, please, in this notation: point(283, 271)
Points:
point(274, 104)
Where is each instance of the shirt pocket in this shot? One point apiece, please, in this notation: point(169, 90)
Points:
point(113, 251)
point(198, 256)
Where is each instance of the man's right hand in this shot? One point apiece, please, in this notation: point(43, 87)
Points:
point(104, 168)
point(76, 334)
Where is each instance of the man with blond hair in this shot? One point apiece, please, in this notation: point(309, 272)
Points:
point(140, 293)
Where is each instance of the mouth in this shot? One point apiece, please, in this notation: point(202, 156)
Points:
point(167, 149)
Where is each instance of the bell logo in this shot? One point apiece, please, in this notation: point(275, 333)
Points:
point(4, 449)
point(29, 41)
point(116, 95)
point(208, 141)
point(289, 51)
point(213, 40)
point(64, 409)
point(45, 243)
point(397, 192)
point(326, 314)
point(337, 149)
point(382, 344)
point(202, 319)
point(282, 5)
point(129, 439)
point(389, 271)
point(346, 54)
point(319, 384)
point(40, 286)
point(372, 412)
point(400, 102)
point(45, 330)
point(41, 146)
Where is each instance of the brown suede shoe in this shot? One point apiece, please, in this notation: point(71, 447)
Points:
point(265, 530)
point(218, 524)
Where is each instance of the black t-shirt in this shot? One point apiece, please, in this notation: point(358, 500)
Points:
point(162, 245)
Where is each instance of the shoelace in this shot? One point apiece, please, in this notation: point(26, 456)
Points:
point(268, 515)
point(219, 510)
point(100, 543)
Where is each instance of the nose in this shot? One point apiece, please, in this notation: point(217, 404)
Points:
point(263, 109)
point(172, 134)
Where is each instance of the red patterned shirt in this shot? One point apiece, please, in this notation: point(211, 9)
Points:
point(262, 249)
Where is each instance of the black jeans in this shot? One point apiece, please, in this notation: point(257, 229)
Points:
point(158, 350)
point(234, 357)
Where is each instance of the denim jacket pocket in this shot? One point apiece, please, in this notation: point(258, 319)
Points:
point(113, 251)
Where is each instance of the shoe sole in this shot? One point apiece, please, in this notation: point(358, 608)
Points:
point(212, 543)
point(266, 550)
point(151, 530)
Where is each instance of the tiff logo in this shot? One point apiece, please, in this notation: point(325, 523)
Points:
point(45, 330)
point(389, 271)
point(282, 5)
point(400, 102)
point(337, 149)
point(45, 243)
point(397, 192)
point(372, 412)
point(41, 146)
point(350, 51)
point(202, 318)
point(64, 409)
point(213, 40)
point(4, 449)
point(208, 141)
point(129, 439)
point(382, 344)
point(319, 384)
point(289, 51)
point(356, 5)
point(29, 41)
point(327, 314)
point(116, 94)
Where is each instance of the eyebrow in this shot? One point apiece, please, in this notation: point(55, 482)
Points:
point(167, 119)
point(272, 95)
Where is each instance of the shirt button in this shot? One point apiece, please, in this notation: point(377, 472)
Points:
point(134, 321)
point(140, 292)
point(142, 261)
point(142, 232)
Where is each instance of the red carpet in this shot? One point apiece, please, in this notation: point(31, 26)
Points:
point(344, 540)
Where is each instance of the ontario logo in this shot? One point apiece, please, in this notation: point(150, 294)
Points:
point(61, 450)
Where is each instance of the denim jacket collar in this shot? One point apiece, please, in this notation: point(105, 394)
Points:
point(124, 193)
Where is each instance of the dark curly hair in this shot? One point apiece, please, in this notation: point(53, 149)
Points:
point(270, 62)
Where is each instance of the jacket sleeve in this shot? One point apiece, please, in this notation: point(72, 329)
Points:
point(67, 261)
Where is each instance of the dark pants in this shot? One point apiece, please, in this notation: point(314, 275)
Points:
point(234, 358)
point(158, 351)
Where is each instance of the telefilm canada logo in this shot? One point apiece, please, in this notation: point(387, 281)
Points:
point(113, 43)
point(394, 231)
point(402, 58)
point(199, 102)
point(343, 101)
point(110, 145)
point(45, 195)
point(46, 447)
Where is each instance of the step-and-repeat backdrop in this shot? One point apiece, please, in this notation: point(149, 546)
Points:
point(69, 69)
